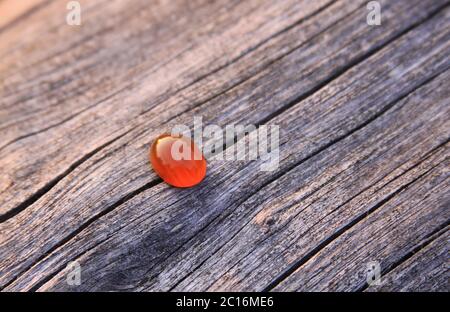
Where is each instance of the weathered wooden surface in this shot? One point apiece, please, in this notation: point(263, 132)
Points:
point(364, 127)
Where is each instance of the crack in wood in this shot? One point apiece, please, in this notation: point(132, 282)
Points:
point(65, 120)
point(297, 264)
point(46, 188)
point(80, 229)
point(430, 238)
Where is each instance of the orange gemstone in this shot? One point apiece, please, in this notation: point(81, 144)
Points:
point(177, 160)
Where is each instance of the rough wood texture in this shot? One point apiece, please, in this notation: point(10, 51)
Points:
point(364, 136)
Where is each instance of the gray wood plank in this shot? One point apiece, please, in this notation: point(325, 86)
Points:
point(426, 270)
point(363, 114)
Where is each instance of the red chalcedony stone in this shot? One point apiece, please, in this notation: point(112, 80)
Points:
point(175, 170)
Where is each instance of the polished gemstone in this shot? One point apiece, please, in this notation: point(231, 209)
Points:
point(177, 160)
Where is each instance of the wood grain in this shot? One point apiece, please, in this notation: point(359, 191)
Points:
point(364, 128)
point(424, 269)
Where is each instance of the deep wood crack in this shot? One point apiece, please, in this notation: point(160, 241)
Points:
point(297, 264)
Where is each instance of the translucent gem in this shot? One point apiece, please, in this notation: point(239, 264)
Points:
point(177, 160)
